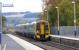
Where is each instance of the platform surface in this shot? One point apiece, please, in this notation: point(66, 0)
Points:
point(11, 42)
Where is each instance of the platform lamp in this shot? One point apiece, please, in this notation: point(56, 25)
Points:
point(74, 6)
point(57, 8)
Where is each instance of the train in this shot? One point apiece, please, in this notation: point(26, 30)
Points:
point(39, 30)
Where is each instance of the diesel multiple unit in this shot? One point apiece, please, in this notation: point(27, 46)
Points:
point(39, 30)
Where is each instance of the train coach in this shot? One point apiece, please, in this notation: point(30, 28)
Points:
point(39, 30)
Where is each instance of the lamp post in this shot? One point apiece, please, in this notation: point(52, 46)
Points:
point(0, 18)
point(58, 18)
point(0, 23)
point(74, 6)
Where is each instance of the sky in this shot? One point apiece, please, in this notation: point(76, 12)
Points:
point(22, 5)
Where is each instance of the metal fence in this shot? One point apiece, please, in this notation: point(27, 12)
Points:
point(65, 31)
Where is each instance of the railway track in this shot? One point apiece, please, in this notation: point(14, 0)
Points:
point(60, 46)
point(49, 45)
point(38, 43)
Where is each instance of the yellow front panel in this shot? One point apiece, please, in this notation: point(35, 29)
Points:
point(46, 36)
point(37, 36)
point(42, 28)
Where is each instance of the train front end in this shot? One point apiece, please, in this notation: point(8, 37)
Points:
point(42, 30)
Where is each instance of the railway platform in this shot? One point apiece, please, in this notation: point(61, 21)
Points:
point(11, 42)
point(14, 42)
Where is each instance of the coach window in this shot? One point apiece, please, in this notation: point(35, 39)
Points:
point(46, 27)
point(38, 26)
point(25, 27)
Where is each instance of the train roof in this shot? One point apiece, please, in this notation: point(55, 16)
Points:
point(26, 24)
point(42, 21)
point(22, 24)
point(31, 23)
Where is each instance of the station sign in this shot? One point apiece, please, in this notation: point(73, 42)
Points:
point(7, 5)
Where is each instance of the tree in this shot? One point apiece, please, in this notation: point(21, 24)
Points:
point(66, 13)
